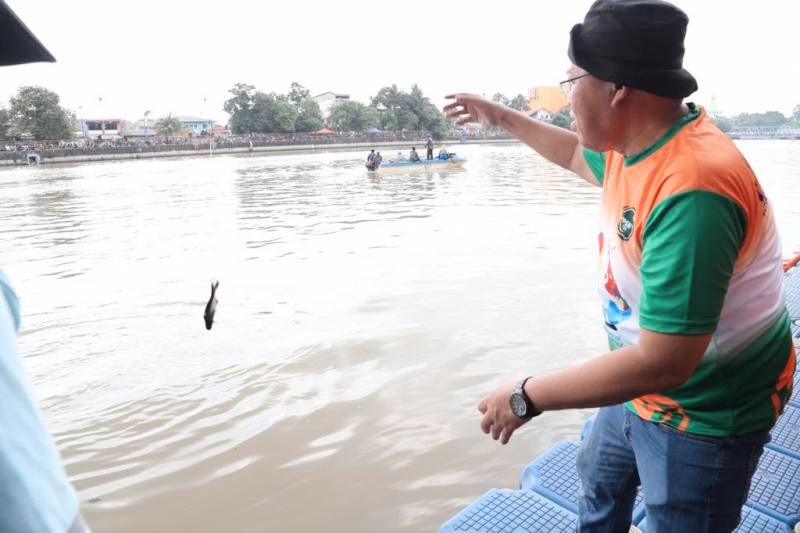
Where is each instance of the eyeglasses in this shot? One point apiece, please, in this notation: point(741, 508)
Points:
point(568, 85)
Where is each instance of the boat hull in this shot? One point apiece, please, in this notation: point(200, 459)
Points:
point(421, 165)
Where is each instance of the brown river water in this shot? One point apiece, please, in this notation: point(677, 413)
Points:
point(360, 320)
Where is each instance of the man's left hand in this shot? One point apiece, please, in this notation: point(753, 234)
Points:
point(498, 420)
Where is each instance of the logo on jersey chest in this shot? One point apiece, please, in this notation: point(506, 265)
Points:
point(625, 226)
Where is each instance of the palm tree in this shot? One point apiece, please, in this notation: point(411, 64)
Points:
point(168, 125)
point(417, 102)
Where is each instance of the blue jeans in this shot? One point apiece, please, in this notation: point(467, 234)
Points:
point(691, 483)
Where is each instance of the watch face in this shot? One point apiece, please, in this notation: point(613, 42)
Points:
point(518, 405)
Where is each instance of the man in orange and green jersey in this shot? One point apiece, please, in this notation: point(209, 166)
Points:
point(690, 278)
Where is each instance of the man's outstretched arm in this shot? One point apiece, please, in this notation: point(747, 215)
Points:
point(555, 144)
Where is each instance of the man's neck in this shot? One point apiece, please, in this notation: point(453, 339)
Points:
point(643, 133)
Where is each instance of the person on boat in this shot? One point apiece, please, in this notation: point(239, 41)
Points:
point(377, 160)
point(429, 146)
point(400, 157)
point(701, 359)
point(35, 494)
point(413, 156)
point(371, 160)
point(443, 152)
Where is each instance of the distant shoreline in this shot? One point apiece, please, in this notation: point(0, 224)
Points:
point(124, 153)
point(131, 152)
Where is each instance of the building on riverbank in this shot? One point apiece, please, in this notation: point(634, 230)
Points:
point(326, 100)
point(102, 128)
point(117, 128)
point(198, 126)
point(544, 102)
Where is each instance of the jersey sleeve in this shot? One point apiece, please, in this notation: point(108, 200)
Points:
point(596, 162)
point(689, 246)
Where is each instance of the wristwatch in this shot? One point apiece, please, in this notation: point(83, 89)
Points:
point(521, 404)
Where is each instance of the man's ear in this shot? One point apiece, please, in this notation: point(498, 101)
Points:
point(620, 94)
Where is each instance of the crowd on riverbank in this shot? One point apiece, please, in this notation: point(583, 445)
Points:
point(157, 143)
point(28, 152)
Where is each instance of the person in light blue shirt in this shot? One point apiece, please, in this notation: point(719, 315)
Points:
point(34, 492)
point(35, 495)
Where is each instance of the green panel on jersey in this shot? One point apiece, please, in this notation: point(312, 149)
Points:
point(689, 246)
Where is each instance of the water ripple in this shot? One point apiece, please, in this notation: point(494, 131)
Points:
point(361, 317)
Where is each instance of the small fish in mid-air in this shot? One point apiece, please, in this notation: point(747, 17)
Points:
point(211, 306)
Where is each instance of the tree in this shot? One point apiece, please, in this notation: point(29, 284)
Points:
point(241, 108)
point(770, 119)
point(346, 116)
point(309, 117)
point(253, 111)
point(388, 98)
point(284, 115)
point(501, 98)
point(773, 119)
point(388, 120)
point(261, 118)
point(562, 118)
point(433, 120)
point(723, 123)
point(416, 102)
point(406, 120)
point(370, 117)
point(796, 115)
point(36, 111)
point(5, 123)
point(398, 110)
point(168, 125)
point(438, 125)
point(298, 94)
point(520, 103)
point(349, 115)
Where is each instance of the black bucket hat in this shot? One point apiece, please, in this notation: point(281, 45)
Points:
point(636, 43)
point(17, 44)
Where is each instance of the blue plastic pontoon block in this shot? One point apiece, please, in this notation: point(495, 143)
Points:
point(775, 487)
point(751, 521)
point(755, 522)
point(795, 398)
point(786, 433)
point(511, 511)
point(791, 285)
point(554, 474)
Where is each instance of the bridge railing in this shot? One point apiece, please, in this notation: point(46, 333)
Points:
point(782, 132)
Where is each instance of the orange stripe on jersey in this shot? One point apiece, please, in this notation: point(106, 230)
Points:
point(647, 406)
point(784, 384)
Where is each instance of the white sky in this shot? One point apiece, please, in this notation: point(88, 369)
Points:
point(182, 56)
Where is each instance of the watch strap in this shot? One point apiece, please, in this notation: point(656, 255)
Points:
point(528, 399)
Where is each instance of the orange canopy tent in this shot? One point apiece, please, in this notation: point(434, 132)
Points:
point(325, 131)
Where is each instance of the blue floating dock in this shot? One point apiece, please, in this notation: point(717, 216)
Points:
point(512, 511)
point(554, 475)
point(755, 522)
point(791, 288)
point(775, 487)
point(752, 521)
point(795, 397)
point(786, 433)
point(548, 497)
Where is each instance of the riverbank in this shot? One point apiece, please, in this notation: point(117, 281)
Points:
point(49, 157)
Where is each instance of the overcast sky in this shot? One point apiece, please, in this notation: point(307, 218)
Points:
point(183, 56)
